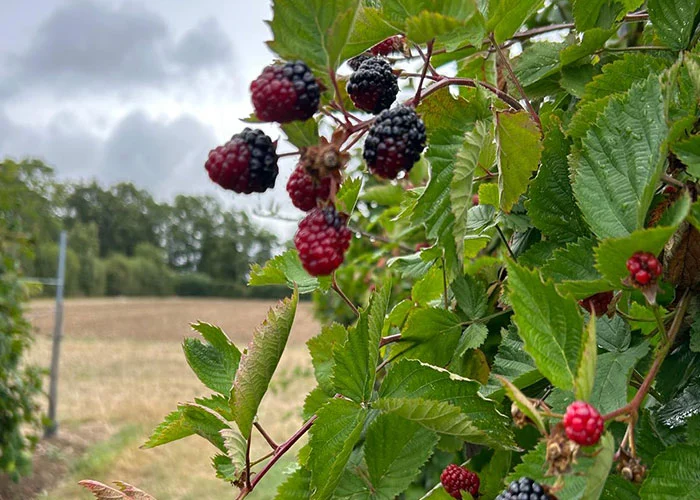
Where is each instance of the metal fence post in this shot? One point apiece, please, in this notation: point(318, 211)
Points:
point(57, 334)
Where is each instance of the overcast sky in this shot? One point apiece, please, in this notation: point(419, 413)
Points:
point(133, 91)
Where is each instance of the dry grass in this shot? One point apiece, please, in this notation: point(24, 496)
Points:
point(122, 370)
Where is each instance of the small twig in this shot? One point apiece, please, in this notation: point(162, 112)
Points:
point(633, 49)
point(338, 98)
point(262, 459)
point(426, 59)
point(332, 117)
point(659, 320)
point(444, 281)
point(267, 437)
point(468, 82)
point(632, 318)
point(509, 68)
point(334, 285)
point(247, 462)
point(291, 153)
point(376, 237)
point(672, 180)
point(505, 242)
point(389, 339)
point(486, 318)
point(355, 140)
point(416, 99)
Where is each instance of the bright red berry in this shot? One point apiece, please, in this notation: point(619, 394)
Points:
point(322, 240)
point(285, 92)
point(456, 479)
point(597, 304)
point(644, 268)
point(386, 47)
point(475, 199)
point(245, 164)
point(305, 190)
point(583, 423)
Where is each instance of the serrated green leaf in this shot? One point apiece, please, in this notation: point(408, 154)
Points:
point(675, 475)
point(314, 401)
point(591, 41)
point(286, 269)
point(297, 486)
point(612, 376)
point(598, 473)
point(620, 161)
point(431, 335)
point(173, 427)
point(471, 338)
point(614, 334)
point(550, 325)
point(695, 335)
point(428, 25)
point(384, 194)
point(674, 20)
point(356, 359)
point(619, 488)
point(575, 78)
point(519, 149)
point(321, 349)
point(395, 450)
point(513, 363)
point(333, 436)
point(347, 196)
point(600, 13)
point(612, 254)
point(492, 474)
point(688, 151)
point(214, 363)
point(488, 194)
point(551, 206)
point(235, 446)
point(585, 376)
point(470, 294)
point(523, 403)
point(506, 16)
point(301, 134)
point(536, 62)
point(259, 362)
point(684, 405)
point(477, 417)
point(205, 422)
point(326, 28)
point(224, 468)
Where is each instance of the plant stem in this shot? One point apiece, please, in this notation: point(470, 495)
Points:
point(334, 285)
point(267, 437)
point(247, 461)
point(262, 459)
point(505, 242)
point(632, 407)
point(468, 82)
point(659, 320)
point(371, 236)
point(486, 318)
point(338, 98)
point(389, 339)
point(291, 153)
point(444, 281)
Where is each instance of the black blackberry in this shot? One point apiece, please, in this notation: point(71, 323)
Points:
point(525, 489)
point(373, 87)
point(286, 92)
point(357, 61)
point(395, 142)
point(245, 164)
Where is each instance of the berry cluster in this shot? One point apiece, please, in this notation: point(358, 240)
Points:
point(597, 304)
point(456, 479)
point(395, 142)
point(373, 87)
point(583, 423)
point(305, 190)
point(644, 268)
point(245, 164)
point(286, 92)
point(322, 240)
point(525, 489)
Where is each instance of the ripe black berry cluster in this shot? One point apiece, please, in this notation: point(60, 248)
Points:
point(395, 142)
point(245, 164)
point(644, 268)
point(285, 92)
point(456, 479)
point(373, 87)
point(322, 240)
point(525, 489)
point(583, 423)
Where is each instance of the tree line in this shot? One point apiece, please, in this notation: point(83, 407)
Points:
point(121, 241)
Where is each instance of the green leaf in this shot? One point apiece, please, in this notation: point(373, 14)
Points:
point(321, 349)
point(395, 451)
point(550, 325)
point(614, 334)
point(333, 436)
point(301, 134)
point(471, 338)
point(431, 335)
point(600, 13)
point(523, 403)
point(235, 446)
point(470, 294)
point(688, 151)
point(429, 288)
point(686, 404)
point(492, 474)
point(476, 417)
point(369, 28)
point(326, 28)
point(297, 486)
point(259, 362)
point(573, 268)
point(488, 194)
point(622, 74)
point(173, 427)
point(612, 376)
point(674, 20)
point(506, 16)
point(384, 194)
point(597, 474)
point(347, 196)
point(591, 41)
point(519, 149)
point(513, 363)
point(675, 475)
point(205, 422)
point(428, 25)
point(356, 360)
point(476, 142)
point(620, 161)
point(286, 269)
point(585, 377)
point(536, 62)
point(695, 335)
point(214, 363)
point(612, 254)
point(551, 206)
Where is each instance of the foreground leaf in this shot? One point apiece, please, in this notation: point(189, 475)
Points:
point(674, 20)
point(612, 376)
point(214, 363)
point(286, 269)
point(675, 475)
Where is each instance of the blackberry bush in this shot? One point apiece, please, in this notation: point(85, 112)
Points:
point(530, 260)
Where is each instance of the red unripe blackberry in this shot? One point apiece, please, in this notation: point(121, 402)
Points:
point(583, 423)
point(525, 489)
point(597, 304)
point(245, 164)
point(305, 190)
point(387, 46)
point(456, 479)
point(285, 92)
point(395, 142)
point(644, 268)
point(475, 199)
point(373, 87)
point(322, 240)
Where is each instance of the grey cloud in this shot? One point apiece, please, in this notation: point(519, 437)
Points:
point(95, 46)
